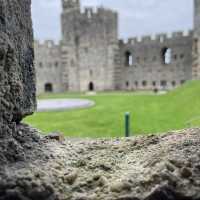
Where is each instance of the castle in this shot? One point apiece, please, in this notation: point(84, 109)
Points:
point(91, 57)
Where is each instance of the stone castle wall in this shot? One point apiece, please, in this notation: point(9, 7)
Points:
point(36, 167)
point(196, 42)
point(48, 67)
point(91, 57)
point(148, 69)
point(89, 41)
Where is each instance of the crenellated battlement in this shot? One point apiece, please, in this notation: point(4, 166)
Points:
point(70, 4)
point(47, 43)
point(160, 38)
point(88, 12)
point(90, 55)
point(95, 12)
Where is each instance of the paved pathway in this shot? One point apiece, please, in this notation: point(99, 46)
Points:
point(63, 104)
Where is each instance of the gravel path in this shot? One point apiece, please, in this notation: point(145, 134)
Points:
point(63, 104)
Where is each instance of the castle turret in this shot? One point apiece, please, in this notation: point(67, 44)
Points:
point(69, 19)
point(69, 5)
point(196, 41)
point(70, 11)
point(89, 45)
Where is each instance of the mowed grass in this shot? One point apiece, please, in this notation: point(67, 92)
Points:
point(149, 113)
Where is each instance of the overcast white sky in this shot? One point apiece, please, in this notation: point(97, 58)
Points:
point(136, 17)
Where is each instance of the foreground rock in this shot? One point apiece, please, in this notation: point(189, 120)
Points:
point(150, 168)
point(17, 74)
point(50, 168)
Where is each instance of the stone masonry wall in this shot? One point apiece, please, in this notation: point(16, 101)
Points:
point(90, 39)
point(48, 67)
point(148, 69)
point(17, 75)
point(196, 42)
point(91, 57)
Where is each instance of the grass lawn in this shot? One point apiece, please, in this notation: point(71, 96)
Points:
point(149, 113)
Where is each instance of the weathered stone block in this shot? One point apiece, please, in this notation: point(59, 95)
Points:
point(17, 74)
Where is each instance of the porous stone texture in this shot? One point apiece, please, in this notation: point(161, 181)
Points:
point(33, 167)
point(17, 75)
point(142, 168)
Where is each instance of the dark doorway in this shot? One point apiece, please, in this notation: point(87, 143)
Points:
point(48, 87)
point(91, 86)
point(163, 83)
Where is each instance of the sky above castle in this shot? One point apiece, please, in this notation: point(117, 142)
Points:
point(136, 17)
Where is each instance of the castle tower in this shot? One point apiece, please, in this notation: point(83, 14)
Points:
point(89, 45)
point(70, 13)
point(196, 41)
point(69, 5)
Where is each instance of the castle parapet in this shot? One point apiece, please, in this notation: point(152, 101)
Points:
point(96, 12)
point(49, 43)
point(101, 10)
point(133, 40)
point(177, 34)
point(91, 12)
point(159, 38)
point(46, 43)
point(88, 12)
point(146, 39)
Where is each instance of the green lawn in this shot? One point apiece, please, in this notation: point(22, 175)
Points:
point(149, 113)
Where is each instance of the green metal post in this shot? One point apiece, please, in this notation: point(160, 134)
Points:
point(127, 124)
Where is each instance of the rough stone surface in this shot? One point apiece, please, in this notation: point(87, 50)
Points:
point(142, 168)
point(17, 75)
point(32, 167)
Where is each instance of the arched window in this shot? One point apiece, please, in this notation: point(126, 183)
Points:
point(182, 82)
point(127, 84)
point(166, 56)
point(175, 57)
point(72, 63)
point(163, 83)
point(77, 40)
point(196, 46)
point(48, 87)
point(91, 72)
point(89, 14)
point(154, 58)
point(154, 83)
point(40, 64)
point(173, 83)
point(91, 86)
point(56, 64)
point(144, 83)
point(128, 59)
point(182, 56)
